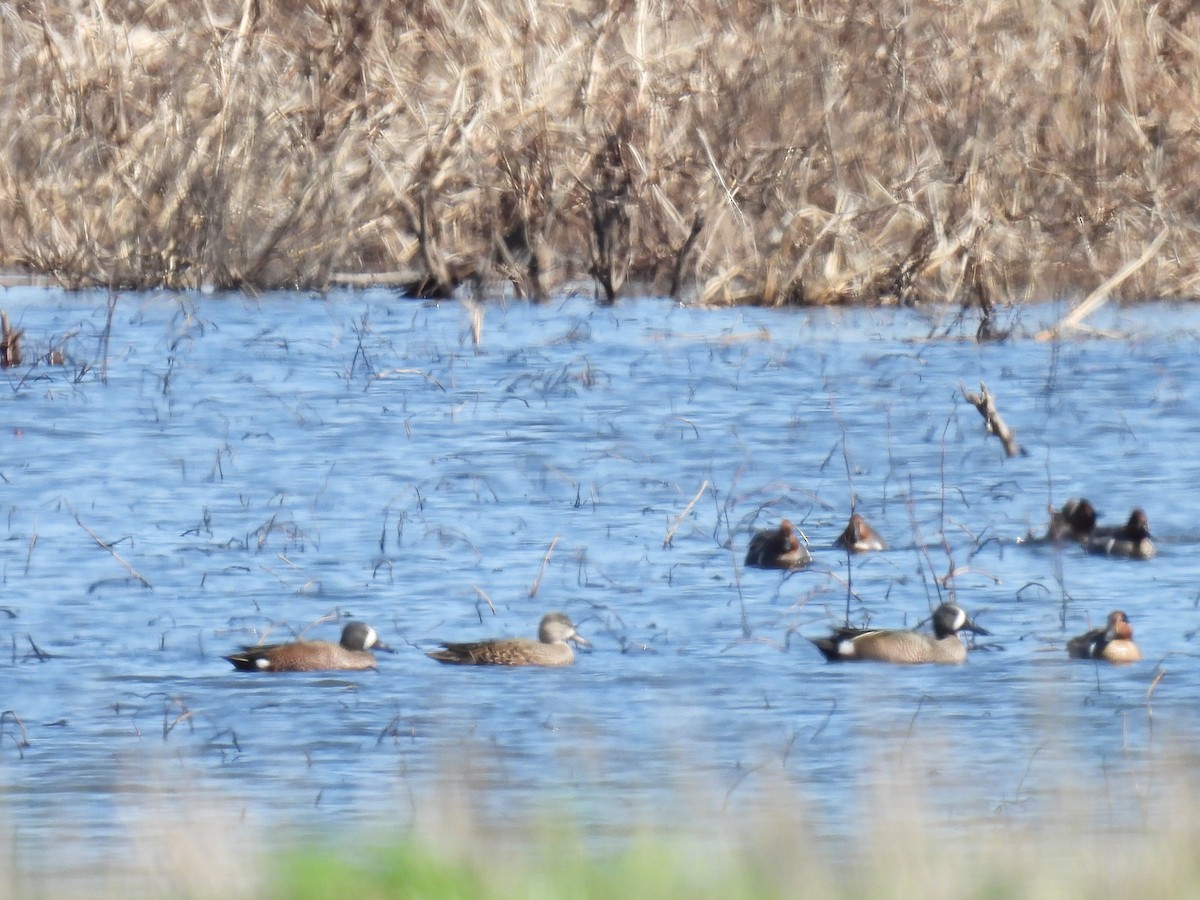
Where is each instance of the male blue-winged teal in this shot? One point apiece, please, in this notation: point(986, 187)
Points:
point(1113, 642)
point(902, 646)
point(1131, 540)
point(1074, 522)
point(859, 537)
point(777, 548)
point(313, 656)
point(550, 649)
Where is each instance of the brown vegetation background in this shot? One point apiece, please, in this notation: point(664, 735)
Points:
point(776, 153)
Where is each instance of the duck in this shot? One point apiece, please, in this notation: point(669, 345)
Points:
point(1074, 522)
point(777, 548)
point(859, 537)
point(351, 652)
point(901, 645)
point(1113, 642)
point(1131, 540)
point(550, 649)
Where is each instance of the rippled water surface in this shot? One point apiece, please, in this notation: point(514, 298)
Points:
point(205, 471)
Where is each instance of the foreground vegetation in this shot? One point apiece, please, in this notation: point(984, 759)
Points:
point(1133, 833)
point(719, 150)
point(901, 861)
point(1024, 867)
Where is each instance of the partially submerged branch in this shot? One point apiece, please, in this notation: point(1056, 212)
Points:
point(986, 404)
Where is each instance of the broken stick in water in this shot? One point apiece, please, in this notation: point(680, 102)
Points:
point(986, 404)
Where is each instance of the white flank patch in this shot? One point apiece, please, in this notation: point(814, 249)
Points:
point(262, 663)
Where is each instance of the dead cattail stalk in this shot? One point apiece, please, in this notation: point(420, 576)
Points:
point(10, 343)
point(486, 599)
point(438, 282)
point(33, 539)
point(1101, 295)
point(679, 519)
point(475, 311)
point(537, 582)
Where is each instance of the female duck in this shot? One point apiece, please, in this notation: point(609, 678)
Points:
point(777, 548)
point(902, 646)
point(859, 537)
point(550, 649)
point(1113, 642)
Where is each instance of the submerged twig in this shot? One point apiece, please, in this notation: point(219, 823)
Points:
point(107, 546)
point(40, 654)
point(184, 714)
point(1150, 698)
point(23, 741)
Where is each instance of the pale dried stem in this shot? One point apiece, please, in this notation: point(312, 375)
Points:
point(105, 545)
point(679, 519)
point(537, 582)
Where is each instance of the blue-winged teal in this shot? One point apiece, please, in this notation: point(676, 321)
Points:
point(313, 656)
point(859, 537)
point(1113, 642)
point(902, 646)
point(550, 649)
point(777, 548)
point(1132, 539)
point(1074, 522)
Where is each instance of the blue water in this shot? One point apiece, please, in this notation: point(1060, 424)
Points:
point(257, 464)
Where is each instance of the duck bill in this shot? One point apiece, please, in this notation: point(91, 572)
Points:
point(580, 640)
point(380, 645)
point(971, 626)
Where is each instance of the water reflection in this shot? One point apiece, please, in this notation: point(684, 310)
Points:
point(233, 467)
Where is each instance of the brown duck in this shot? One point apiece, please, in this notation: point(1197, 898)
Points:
point(313, 656)
point(859, 537)
point(777, 548)
point(1113, 642)
point(550, 649)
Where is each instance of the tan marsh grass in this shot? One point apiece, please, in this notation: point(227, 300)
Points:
point(720, 150)
point(1133, 834)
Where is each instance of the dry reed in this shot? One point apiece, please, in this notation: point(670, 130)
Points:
point(10, 343)
point(724, 151)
